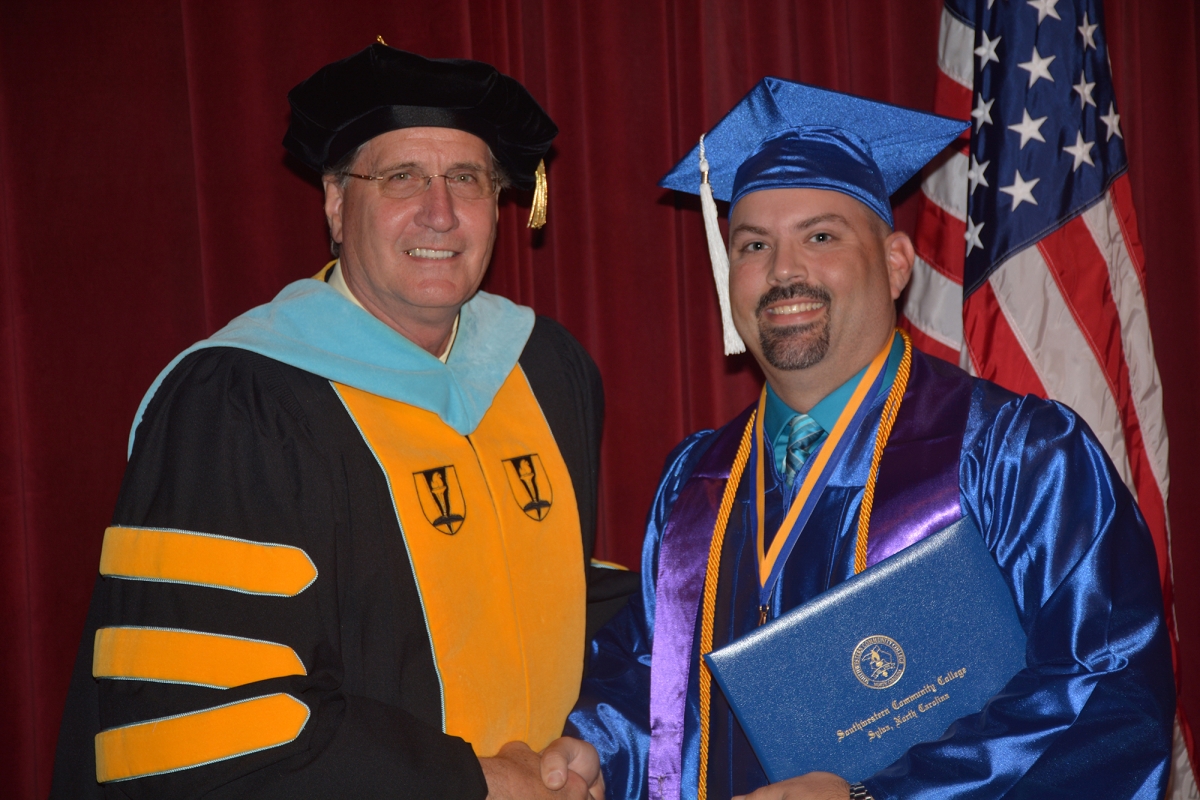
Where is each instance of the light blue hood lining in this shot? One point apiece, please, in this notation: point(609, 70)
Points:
point(309, 325)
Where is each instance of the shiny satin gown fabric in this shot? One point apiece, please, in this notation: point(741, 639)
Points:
point(1090, 715)
point(682, 560)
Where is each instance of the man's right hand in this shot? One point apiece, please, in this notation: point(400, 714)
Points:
point(515, 774)
point(566, 756)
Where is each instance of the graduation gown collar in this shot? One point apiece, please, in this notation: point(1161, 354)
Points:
point(309, 325)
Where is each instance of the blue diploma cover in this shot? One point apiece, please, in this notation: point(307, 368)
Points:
point(850, 680)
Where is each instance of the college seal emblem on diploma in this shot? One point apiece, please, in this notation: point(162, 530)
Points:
point(878, 662)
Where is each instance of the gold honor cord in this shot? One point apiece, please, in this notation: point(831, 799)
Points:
point(708, 609)
point(886, 420)
point(324, 273)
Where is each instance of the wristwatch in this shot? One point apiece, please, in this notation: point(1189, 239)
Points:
point(859, 792)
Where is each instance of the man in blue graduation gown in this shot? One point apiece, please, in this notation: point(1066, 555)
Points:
point(814, 269)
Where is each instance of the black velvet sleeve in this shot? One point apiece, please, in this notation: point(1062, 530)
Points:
point(238, 445)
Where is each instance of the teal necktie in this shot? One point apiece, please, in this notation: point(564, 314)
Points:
point(803, 435)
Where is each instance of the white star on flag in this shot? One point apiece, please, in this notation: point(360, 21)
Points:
point(1029, 128)
point(1037, 67)
point(975, 176)
point(1088, 32)
point(982, 113)
point(1112, 120)
point(1085, 91)
point(1081, 151)
point(1045, 8)
point(987, 50)
point(1021, 191)
point(972, 235)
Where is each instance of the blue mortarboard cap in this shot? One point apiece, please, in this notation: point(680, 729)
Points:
point(786, 135)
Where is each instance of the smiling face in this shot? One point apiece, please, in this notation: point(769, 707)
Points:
point(814, 275)
point(414, 262)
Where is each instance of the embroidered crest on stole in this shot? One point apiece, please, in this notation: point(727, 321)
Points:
point(441, 498)
point(530, 485)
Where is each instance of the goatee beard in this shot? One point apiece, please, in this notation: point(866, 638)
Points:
point(795, 346)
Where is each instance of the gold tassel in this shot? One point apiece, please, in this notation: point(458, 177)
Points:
point(537, 214)
point(381, 41)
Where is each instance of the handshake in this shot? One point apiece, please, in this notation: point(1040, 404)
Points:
point(567, 768)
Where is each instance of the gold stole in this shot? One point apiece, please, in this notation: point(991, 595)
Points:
point(492, 530)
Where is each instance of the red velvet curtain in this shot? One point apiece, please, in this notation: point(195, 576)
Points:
point(145, 200)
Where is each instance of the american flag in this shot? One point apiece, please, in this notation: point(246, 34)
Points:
point(1030, 271)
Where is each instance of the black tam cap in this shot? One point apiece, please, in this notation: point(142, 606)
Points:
point(381, 89)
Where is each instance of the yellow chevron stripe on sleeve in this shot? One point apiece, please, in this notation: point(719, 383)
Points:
point(595, 562)
point(203, 559)
point(203, 737)
point(177, 656)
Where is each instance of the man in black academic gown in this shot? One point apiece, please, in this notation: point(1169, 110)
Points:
point(350, 552)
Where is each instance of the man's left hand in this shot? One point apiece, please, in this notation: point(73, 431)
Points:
point(574, 755)
point(813, 786)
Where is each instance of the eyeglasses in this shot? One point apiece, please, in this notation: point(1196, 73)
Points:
point(466, 183)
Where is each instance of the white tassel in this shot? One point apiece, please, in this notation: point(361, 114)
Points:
point(720, 258)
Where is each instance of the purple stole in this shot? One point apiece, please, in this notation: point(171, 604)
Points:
point(916, 494)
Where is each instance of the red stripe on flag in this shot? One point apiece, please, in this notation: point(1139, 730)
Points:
point(939, 239)
point(1150, 499)
point(1079, 269)
point(1122, 199)
point(1152, 506)
point(951, 98)
point(995, 350)
point(927, 344)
